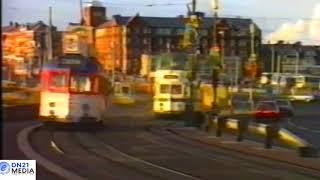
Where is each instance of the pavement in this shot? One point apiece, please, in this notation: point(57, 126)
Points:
point(228, 142)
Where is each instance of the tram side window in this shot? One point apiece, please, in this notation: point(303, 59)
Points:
point(176, 89)
point(80, 84)
point(125, 90)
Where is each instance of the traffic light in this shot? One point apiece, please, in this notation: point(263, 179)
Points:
point(214, 57)
point(251, 69)
point(191, 34)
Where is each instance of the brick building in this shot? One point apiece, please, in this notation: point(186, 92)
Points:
point(124, 39)
point(24, 45)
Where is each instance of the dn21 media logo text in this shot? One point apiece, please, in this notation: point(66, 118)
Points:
point(17, 168)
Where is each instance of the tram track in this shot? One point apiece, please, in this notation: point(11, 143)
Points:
point(256, 163)
point(251, 169)
point(151, 153)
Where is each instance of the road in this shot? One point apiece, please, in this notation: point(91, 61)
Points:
point(133, 144)
point(10, 150)
point(306, 122)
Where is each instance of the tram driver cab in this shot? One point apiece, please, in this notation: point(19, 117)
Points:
point(171, 92)
point(73, 89)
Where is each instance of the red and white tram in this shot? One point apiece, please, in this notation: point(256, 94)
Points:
point(73, 90)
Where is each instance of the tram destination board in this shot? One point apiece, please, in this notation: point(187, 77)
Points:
point(72, 62)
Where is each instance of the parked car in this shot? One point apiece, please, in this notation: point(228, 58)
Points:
point(267, 110)
point(302, 97)
point(285, 107)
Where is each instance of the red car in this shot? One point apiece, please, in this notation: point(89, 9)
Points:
point(267, 110)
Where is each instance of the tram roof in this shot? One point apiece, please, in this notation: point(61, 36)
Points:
point(77, 64)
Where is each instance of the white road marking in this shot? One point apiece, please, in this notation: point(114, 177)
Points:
point(25, 146)
point(148, 163)
point(54, 146)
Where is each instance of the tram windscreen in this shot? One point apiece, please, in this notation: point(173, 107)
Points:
point(170, 89)
point(58, 81)
point(164, 88)
point(83, 84)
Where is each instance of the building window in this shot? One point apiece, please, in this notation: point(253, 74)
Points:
point(242, 43)
point(232, 43)
point(136, 30)
point(145, 41)
point(204, 32)
point(163, 31)
point(146, 30)
point(180, 31)
point(160, 41)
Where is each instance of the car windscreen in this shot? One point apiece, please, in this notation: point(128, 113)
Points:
point(266, 107)
point(282, 103)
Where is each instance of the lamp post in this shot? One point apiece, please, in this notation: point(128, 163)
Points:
point(214, 53)
point(252, 63)
point(50, 50)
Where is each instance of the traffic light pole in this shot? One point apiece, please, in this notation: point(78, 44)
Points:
point(215, 74)
point(252, 62)
point(194, 21)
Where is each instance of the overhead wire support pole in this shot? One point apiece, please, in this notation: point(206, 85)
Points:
point(50, 48)
point(81, 12)
point(214, 46)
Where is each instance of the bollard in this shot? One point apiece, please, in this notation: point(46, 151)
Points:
point(272, 131)
point(220, 126)
point(242, 128)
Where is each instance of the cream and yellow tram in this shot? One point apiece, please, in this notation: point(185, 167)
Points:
point(171, 91)
point(73, 90)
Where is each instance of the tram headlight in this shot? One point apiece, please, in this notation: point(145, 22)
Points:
point(52, 104)
point(51, 112)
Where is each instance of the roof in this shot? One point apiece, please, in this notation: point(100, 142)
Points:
point(176, 22)
point(87, 65)
point(30, 26)
point(8, 28)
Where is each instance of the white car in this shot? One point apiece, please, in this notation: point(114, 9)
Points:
point(305, 97)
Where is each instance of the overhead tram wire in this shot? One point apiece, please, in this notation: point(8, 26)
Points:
point(271, 18)
point(142, 5)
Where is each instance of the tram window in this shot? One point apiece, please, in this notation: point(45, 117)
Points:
point(176, 89)
point(125, 90)
point(165, 88)
point(58, 81)
point(80, 83)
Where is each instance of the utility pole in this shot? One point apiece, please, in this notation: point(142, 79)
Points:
point(252, 63)
point(50, 53)
point(81, 12)
point(278, 72)
point(191, 42)
point(272, 58)
point(278, 64)
point(236, 74)
point(194, 6)
point(297, 62)
point(113, 64)
point(215, 49)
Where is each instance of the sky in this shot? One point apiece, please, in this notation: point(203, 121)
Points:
point(290, 20)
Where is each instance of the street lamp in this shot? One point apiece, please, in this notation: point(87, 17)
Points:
point(215, 57)
point(252, 63)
